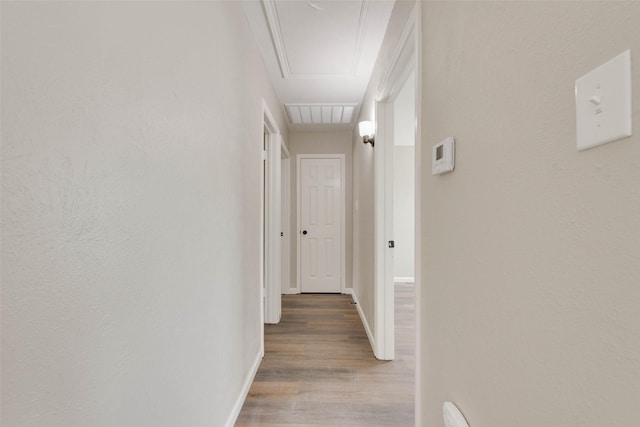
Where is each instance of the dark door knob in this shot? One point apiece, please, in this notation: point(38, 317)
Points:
point(304, 232)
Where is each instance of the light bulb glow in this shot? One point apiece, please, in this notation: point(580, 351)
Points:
point(365, 128)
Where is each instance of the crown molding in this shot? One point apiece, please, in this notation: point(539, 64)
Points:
point(271, 12)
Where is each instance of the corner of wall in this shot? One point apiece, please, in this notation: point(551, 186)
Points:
point(365, 323)
point(244, 391)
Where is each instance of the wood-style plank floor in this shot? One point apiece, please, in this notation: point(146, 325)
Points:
point(319, 370)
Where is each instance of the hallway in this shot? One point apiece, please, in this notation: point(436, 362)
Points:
point(319, 369)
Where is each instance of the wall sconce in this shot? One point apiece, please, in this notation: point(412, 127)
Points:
point(366, 132)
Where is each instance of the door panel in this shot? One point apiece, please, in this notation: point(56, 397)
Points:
point(321, 217)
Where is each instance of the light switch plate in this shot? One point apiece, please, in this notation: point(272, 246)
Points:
point(603, 103)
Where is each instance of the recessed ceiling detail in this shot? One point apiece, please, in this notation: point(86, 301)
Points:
point(319, 55)
point(317, 114)
point(320, 41)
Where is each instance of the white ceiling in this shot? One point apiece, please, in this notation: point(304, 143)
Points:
point(319, 55)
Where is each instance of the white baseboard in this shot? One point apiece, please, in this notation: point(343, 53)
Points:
point(244, 391)
point(350, 291)
point(404, 280)
point(290, 291)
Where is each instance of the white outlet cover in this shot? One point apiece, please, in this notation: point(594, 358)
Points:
point(603, 103)
point(452, 416)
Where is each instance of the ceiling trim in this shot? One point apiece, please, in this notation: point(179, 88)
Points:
point(276, 35)
point(273, 21)
point(362, 26)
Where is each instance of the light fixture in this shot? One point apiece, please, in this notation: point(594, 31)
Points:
point(366, 132)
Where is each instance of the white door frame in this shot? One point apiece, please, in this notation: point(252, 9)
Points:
point(403, 62)
point(272, 223)
point(299, 158)
point(383, 234)
point(417, 17)
point(286, 221)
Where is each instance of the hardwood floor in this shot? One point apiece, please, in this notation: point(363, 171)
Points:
point(319, 369)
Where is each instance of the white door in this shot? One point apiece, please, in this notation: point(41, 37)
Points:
point(321, 206)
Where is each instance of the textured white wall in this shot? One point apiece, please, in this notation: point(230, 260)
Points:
point(321, 143)
point(531, 296)
point(130, 212)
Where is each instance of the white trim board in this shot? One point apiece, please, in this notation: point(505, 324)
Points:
point(367, 329)
point(416, 17)
point(384, 290)
point(404, 279)
point(271, 225)
point(237, 407)
point(285, 212)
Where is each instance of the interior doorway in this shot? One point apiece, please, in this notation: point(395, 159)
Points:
point(393, 123)
point(404, 182)
point(271, 216)
point(321, 223)
point(395, 206)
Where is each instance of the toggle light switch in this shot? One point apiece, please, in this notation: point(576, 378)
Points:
point(603, 103)
point(595, 100)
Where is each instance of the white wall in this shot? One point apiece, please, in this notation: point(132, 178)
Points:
point(404, 124)
point(321, 143)
point(404, 212)
point(531, 249)
point(130, 212)
point(404, 113)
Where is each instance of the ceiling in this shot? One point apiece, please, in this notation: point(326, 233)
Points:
point(319, 55)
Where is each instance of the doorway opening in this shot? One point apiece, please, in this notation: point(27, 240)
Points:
point(271, 219)
point(403, 68)
point(404, 183)
point(395, 205)
point(321, 223)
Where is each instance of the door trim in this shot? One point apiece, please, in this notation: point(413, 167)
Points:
point(271, 225)
point(299, 158)
point(417, 17)
point(285, 185)
point(384, 290)
point(404, 61)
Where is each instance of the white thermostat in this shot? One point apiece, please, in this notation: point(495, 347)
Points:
point(443, 157)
